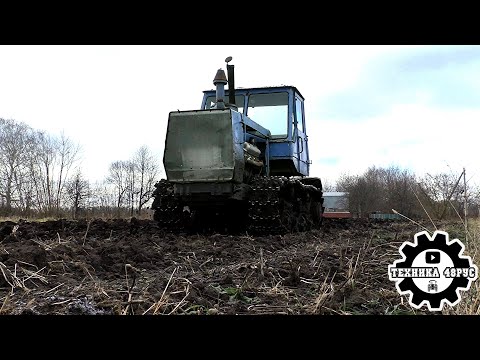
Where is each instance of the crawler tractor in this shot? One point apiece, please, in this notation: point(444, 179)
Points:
point(239, 163)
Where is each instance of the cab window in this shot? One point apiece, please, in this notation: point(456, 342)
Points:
point(299, 112)
point(270, 111)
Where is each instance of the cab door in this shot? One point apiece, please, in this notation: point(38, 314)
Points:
point(301, 156)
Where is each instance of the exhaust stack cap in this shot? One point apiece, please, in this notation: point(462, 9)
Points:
point(220, 81)
point(220, 78)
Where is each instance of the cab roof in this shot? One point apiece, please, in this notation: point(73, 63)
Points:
point(267, 89)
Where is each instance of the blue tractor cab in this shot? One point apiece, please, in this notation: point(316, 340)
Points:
point(273, 117)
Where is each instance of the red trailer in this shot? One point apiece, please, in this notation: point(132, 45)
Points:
point(337, 215)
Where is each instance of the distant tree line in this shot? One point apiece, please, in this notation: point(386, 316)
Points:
point(40, 176)
point(34, 168)
point(133, 180)
point(383, 189)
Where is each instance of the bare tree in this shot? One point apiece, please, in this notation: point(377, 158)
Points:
point(133, 180)
point(147, 171)
point(15, 143)
point(50, 161)
point(43, 168)
point(67, 156)
point(365, 192)
point(474, 203)
point(102, 195)
point(78, 192)
point(444, 194)
point(102, 200)
point(381, 189)
point(131, 184)
point(118, 178)
point(34, 167)
point(400, 190)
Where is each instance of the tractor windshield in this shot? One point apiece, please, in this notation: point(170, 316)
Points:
point(270, 111)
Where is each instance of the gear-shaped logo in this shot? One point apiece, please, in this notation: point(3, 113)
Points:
point(433, 270)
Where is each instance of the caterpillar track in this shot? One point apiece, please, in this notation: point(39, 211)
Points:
point(168, 212)
point(273, 205)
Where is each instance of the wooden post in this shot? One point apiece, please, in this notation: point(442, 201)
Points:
point(465, 202)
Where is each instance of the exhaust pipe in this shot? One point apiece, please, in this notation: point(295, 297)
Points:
point(231, 84)
point(220, 81)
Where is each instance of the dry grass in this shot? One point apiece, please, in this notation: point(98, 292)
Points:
point(470, 300)
point(339, 271)
point(36, 219)
point(470, 236)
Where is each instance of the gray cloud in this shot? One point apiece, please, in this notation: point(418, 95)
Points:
point(440, 76)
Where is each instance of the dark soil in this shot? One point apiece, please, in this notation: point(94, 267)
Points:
point(133, 267)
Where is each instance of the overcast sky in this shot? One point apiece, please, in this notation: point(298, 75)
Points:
point(416, 107)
